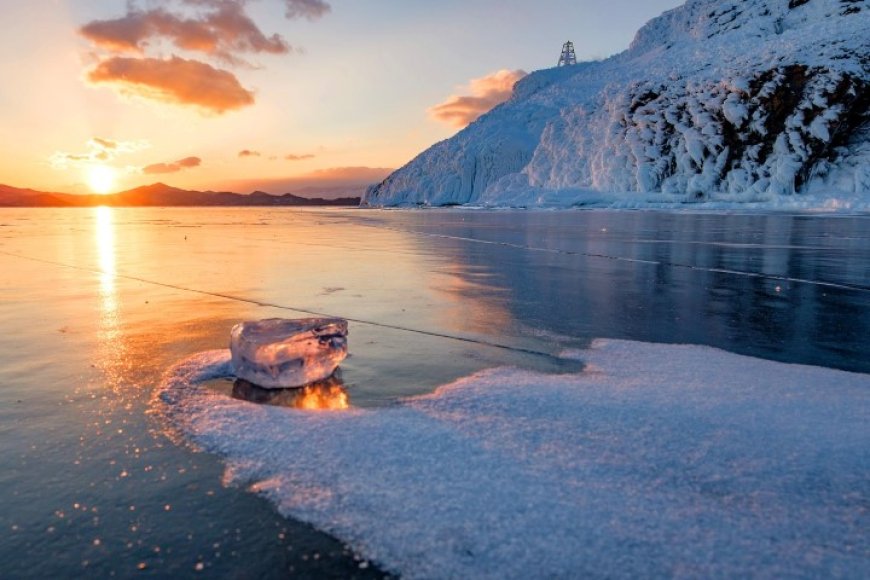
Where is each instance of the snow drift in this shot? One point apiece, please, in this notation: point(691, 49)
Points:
point(736, 100)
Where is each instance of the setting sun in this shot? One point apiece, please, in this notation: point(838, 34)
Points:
point(101, 179)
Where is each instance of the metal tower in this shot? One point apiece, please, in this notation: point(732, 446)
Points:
point(568, 57)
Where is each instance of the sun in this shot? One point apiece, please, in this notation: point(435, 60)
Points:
point(101, 179)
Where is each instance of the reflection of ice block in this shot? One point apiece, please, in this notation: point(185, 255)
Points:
point(326, 395)
point(277, 353)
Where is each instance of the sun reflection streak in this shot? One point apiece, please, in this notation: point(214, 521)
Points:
point(105, 233)
point(111, 356)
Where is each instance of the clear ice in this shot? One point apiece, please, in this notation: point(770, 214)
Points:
point(277, 353)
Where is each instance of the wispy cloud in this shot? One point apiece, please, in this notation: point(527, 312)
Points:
point(329, 182)
point(176, 81)
point(132, 60)
point(174, 167)
point(248, 153)
point(99, 150)
point(302, 157)
point(104, 143)
point(310, 9)
point(486, 93)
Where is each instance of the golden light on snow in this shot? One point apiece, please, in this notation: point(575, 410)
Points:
point(101, 178)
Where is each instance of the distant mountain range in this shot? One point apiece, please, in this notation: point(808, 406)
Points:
point(160, 194)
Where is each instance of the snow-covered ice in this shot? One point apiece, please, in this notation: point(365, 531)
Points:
point(733, 101)
point(279, 353)
point(656, 460)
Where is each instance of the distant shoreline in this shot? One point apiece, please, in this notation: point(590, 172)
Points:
point(162, 195)
point(324, 203)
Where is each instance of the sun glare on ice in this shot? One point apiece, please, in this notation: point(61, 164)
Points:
point(101, 179)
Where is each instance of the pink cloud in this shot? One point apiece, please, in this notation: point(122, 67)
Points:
point(301, 157)
point(219, 29)
point(224, 32)
point(486, 93)
point(176, 80)
point(248, 153)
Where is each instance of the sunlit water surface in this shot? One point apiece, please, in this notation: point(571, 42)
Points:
point(97, 303)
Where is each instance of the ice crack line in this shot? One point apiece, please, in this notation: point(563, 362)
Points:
point(478, 341)
point(775, 277)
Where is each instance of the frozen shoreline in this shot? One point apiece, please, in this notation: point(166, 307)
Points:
point(596, 200)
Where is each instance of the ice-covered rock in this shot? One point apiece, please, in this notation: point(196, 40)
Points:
point(278, 353)
point(735, 100)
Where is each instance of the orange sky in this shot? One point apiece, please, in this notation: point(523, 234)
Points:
point(266, 94)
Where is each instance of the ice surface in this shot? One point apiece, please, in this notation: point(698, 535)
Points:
point(731, 100)
point(279, 353)
point(657, 460)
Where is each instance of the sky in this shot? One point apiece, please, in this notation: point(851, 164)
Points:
point(277, 95)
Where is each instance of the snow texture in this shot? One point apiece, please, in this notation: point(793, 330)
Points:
point(657, 460)
point(277, 353)
point(727, 100)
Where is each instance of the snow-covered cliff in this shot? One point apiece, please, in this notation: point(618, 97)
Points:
point(718, 100)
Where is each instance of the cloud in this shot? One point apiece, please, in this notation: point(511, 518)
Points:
point(330, 182)
point(289, 157)
point(486, 93)
point(175, 167)
point(310, 9)
point(104, 143)
point(176, 81)
point(224, 32)
point(220, 30)
point(98, 151)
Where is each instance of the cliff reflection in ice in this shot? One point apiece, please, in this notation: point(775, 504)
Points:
point(787, 287)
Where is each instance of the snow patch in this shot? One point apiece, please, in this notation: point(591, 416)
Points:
point(658, 460)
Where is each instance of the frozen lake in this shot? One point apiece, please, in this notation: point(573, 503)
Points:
point(98, 303)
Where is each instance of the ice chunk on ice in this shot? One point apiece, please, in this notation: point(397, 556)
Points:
point(278, 353)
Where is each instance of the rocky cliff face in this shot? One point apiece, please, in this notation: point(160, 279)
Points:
point(734, 100)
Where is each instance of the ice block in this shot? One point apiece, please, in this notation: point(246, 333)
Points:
point(277, 353)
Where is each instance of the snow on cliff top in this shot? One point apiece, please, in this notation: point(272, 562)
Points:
point(732, 100)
